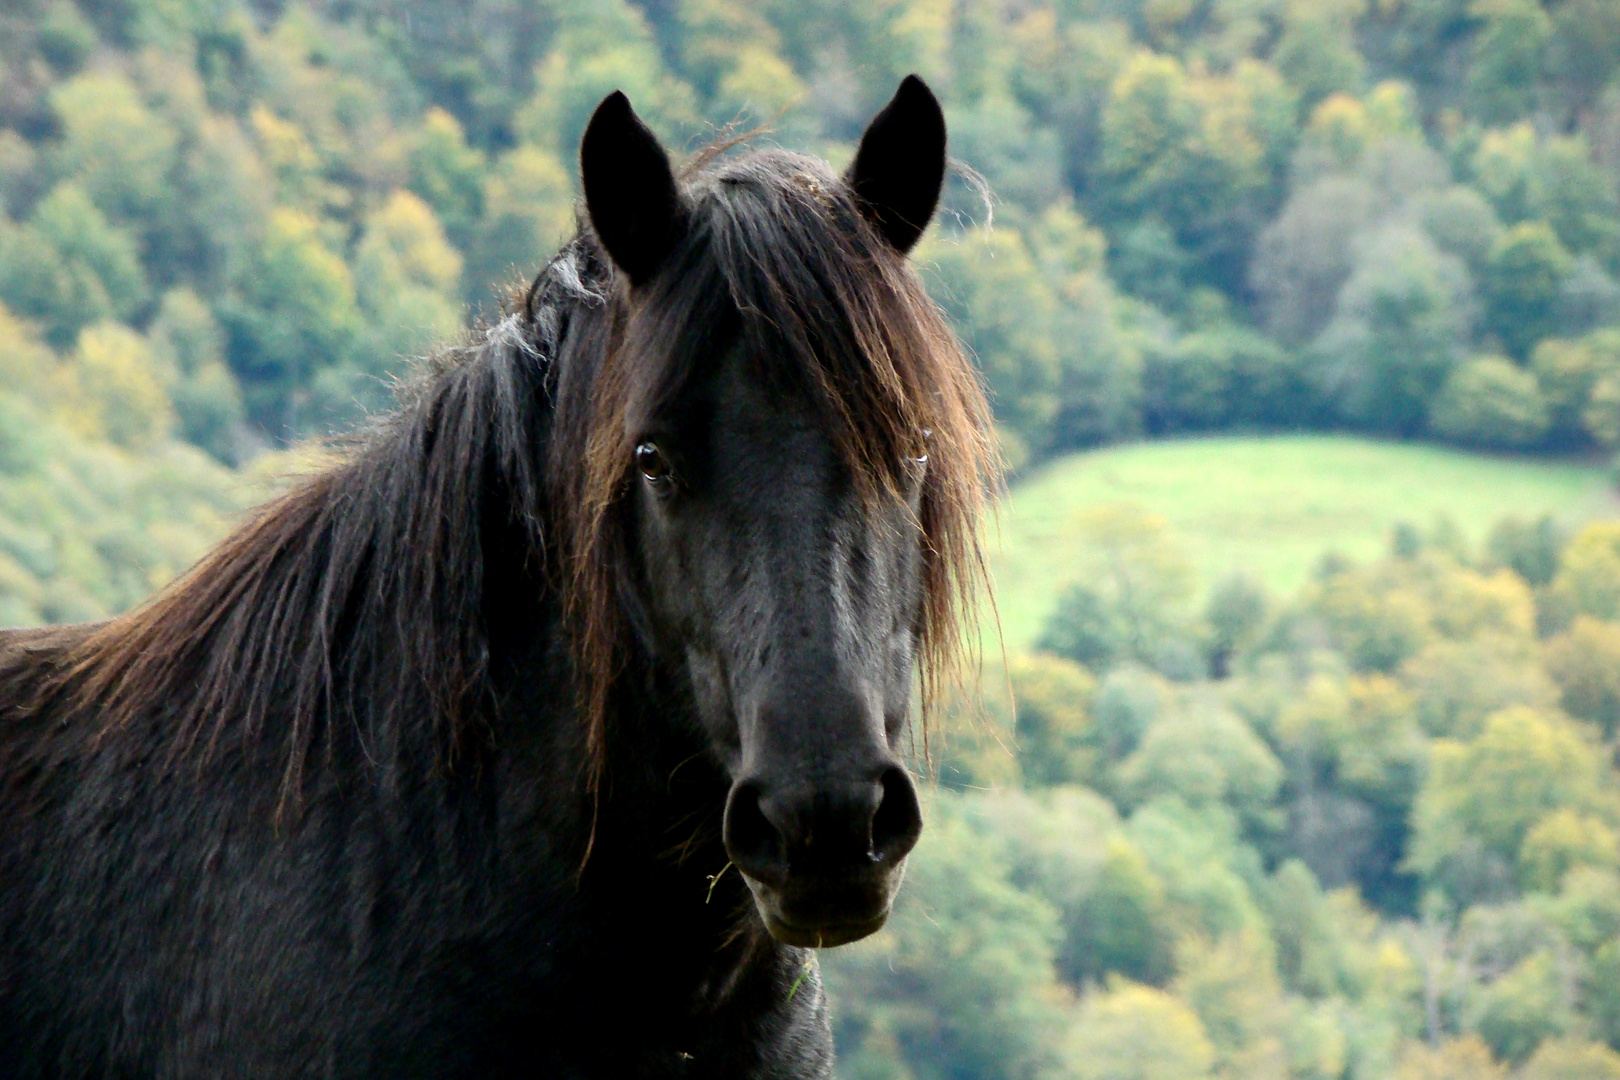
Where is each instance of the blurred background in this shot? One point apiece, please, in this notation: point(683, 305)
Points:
point(1302, 323)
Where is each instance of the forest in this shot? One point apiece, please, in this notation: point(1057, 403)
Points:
point(1367, 830)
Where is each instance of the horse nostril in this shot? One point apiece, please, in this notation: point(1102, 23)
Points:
point(898, 821)
point(752, 842)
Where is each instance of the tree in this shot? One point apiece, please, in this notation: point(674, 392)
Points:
point(406, 274)
point(1507, 56)
point(1053, 729)
point(1376, 629)
point(1484, 796)
point(1562, 841)
point(1233, 616)
point(991, 286)
point(1462, 223)
point(448, 173)
point(1133, 1032)
point(1567, 371)
point(119, 149)
point(69, 267)
point(1203, 754)
point(1121, 925)
point(1571, 1059)
point(1488, 401)
point(1603, 992)
point(1182, 149)
point(1317, 51)
point(1588, 580)
point(528, 212)
point(1464, 1058)
point(297, 314)
point(1397, 331)
point(1521, 285)
point(1305, 255)
point(1099, 382)
point(1525, 1007)
point(1585, 662)
point(118, 390)
point(1529, 549)
point(207, 399)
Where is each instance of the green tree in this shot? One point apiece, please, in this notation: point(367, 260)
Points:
point(1567, 371)
point(1397, 331)
point(297, 314)
point(1482, 797)
point(1507, 59)
point(119, 149)
point(1133, 1032)
point(1054, 734)
point(1488, 401)
point(120, 392)
point(1585, 662)
point(1233, 616)
point(991, 286)
point(448, 173)
point(406, 275)
point(1530, 549)
point(1317, 51)
point(1464, 1058)
point(1183, 149)
point(1521, 285)
point(207, 400)
point(1603, 992)
point(1571, 1059)
point(1203, 754)
point(1588, 580)
point(528, 211)
point(1525, 1007)
point(1122, 925)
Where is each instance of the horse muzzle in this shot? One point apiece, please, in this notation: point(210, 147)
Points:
point(824, 862)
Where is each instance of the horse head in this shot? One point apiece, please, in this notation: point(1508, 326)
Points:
point(792, 448)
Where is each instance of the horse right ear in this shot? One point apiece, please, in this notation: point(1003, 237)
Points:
point(630, 190)
point(900, 166)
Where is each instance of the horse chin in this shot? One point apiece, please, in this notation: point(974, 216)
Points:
point(822, 937)
point(811, 919)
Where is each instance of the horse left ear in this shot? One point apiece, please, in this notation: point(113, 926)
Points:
point(630, 190)
point(900, 166)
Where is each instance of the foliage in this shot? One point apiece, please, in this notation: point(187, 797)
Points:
point(1376, 845)
point(1489, 402)
point(1255, 215)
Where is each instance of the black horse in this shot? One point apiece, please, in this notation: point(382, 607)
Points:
point(542, 736)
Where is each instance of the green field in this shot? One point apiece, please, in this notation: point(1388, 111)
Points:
point(1270, 506)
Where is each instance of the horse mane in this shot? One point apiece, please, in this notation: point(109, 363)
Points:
point(361, 593)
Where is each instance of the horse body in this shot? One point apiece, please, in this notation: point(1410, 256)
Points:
point(537, 737)
point(405, 924)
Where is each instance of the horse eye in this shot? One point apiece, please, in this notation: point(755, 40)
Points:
point(652, 463)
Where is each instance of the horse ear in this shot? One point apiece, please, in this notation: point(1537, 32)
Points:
point(900, 166)
point(630, 190)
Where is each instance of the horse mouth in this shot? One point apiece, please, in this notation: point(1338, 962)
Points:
point(824, 936)
point(815, 918)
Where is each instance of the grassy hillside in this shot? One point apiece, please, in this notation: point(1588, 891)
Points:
point(1270, 506)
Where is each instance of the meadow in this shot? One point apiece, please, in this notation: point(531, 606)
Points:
point(1268, 506)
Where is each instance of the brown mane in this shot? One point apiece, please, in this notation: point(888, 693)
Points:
point(359, 597)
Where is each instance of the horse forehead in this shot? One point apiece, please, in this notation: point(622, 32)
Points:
point(776, 407)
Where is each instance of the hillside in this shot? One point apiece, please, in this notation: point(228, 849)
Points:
point(1268, 506)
